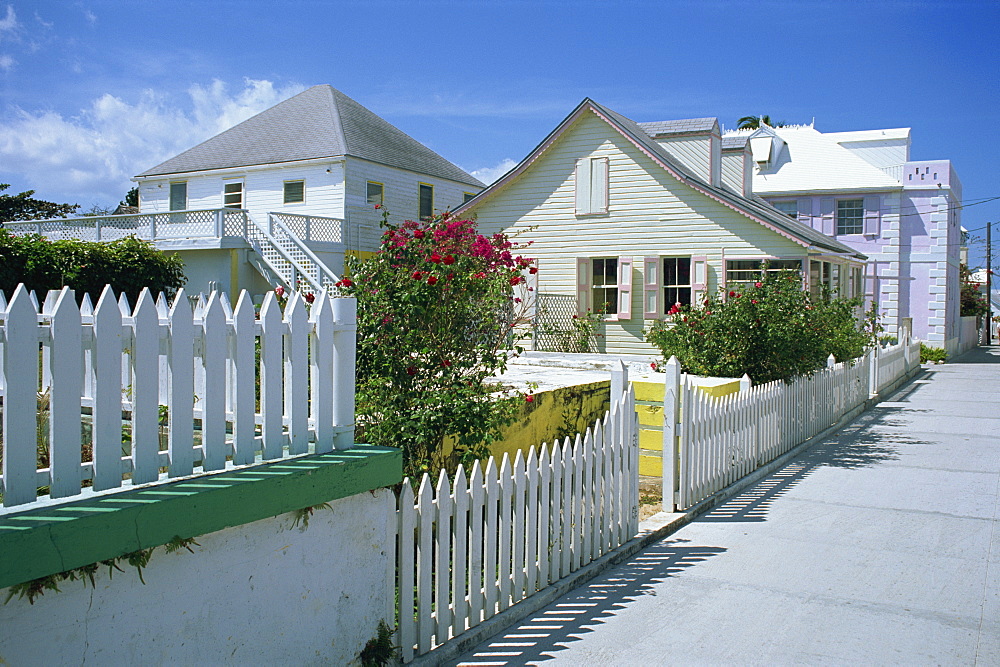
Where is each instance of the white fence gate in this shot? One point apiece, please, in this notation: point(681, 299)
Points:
point(711, 442)
point(235, 388)
point(469, 550)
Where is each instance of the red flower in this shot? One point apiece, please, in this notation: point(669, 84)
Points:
point(479, 275)
point(654, 366)
point(378, 206)
point(516, 280)
point(417, 275)
point(279, 290)
point(705, 302)
point(758, 284)
point(445, 364)
point(418, 233)
point(754, 300)
point(310, 297)
point(674, 309)
point(448, 259)
point(410, 370)
point(731, 293)
point(528, 398)
point(533, 270)
point(345, 282)
point(431, 280)
point(436, 258)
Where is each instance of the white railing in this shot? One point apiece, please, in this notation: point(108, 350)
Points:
point(289, 257)
point(718, 440)
point(470, 550)
point(65, 368)
point(312, 227)
point(212, 223)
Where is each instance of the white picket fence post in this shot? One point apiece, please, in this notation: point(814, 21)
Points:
point(145, 369)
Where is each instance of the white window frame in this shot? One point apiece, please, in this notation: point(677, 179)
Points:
point(381, 193)
point(284, 191)
point(857, 222)
point(226, 193)
point(728, 271)
point(170, 200)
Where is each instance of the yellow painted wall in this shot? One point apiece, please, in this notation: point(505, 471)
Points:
point(649, 406)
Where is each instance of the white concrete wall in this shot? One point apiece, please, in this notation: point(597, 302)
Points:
point(264, 593)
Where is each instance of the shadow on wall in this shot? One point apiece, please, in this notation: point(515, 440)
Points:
point(569, 618)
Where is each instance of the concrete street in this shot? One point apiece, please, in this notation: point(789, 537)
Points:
point(879, 545)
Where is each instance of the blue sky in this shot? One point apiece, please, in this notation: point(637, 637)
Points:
point(92, 92)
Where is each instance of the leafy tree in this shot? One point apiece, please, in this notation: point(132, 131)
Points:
point(769, 330)
point(754, 122)
point(126, 264)
point(435, 317)
point(131, 198)
point(973, 301)
point(23, 207)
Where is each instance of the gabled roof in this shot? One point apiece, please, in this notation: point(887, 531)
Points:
point(320, 122)
point(815, 162)
point(734, 143)
point(684, 126)
point(757, 210)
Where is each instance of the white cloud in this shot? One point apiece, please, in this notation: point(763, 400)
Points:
point(489, 174)
point(6, 62)
point(90, 157)
point(9, 22)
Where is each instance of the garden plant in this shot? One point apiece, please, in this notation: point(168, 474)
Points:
point(437, 308)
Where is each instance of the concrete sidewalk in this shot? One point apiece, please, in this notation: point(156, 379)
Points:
point(879, 545)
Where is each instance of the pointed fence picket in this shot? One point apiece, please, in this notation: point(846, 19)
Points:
point(103, 384)
point(470, 549)
point(715, 441)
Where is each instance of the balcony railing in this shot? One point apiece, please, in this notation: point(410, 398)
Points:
point(212, 223)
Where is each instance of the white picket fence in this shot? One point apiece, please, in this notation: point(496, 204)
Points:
point(123, 370)
point(469, 550)
point(711, 442)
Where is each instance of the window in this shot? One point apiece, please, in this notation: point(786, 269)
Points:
point(426, 201)
point(375, 193)
point(850, 216)
point(676, 281)
point(789, 208)
point(751, 270)
point(604, 285)
point(592, 185)
point(178, 196)
point(295, 192)
point(466, 196)
point(232, 194)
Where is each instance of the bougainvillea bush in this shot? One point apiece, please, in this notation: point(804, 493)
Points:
point(436, 310)
point(769, 330)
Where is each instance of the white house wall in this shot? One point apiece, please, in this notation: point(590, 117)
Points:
point(732, 172)
point(650, 213)
point(400, 197)
point(692, 152)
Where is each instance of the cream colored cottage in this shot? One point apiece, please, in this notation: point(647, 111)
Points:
point(630, 218)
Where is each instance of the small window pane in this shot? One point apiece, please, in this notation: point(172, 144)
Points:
point(789, 208)
point(676, 281)
point(232, 196)
point(375, 194)
point(605, 285)
point(295, 192)
point(178, 196)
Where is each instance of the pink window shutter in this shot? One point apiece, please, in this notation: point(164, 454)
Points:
point(872, 215)
point(582, 285)
point(699, 278)
point(624, 288)
point(826, 208)
point(651, 288)
point(583, 180)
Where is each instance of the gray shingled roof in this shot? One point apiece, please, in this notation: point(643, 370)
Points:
point(735, 143)
point(320, 122)
point(683, 126)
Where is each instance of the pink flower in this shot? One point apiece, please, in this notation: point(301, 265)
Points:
point(418, 233)
point(758, 284)
point(516, 280)
point(528, 398)
point(279, 290)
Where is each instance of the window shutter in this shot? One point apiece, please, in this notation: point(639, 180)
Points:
point(804, 214)
point(826, 208)
point(583, 182)
point(582, 285)
point(624, 288)
point(699, 278)
point(599, 186)
point(872, 215)
point(651, 288)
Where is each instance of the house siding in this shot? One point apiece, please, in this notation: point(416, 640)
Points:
point(733, 172)
point(650, 213)
point(695, 153)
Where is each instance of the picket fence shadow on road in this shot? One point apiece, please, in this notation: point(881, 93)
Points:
point(857, 445)
point(571, 617)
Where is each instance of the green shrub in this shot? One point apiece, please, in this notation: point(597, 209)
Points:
point(435, 316)
point(932, 354)
point(769, 330)
point(127, 265)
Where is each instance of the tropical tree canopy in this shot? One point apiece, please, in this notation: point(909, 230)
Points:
point(754, 122)
point(23, 207)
